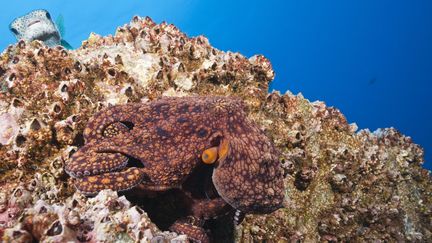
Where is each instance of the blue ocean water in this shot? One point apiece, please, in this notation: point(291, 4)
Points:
point(371, 59)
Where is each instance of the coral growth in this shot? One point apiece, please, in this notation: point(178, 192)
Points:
point(341, 184)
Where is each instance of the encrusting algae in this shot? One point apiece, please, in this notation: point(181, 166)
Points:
point(340, 184)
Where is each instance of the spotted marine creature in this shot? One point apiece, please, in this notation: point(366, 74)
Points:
point(38, 25)
point(167, 140)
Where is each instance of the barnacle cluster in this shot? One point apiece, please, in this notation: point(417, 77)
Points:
point(342, 184)
point(104, 218)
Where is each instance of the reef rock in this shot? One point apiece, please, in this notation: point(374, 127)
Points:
point(104, 218)
point(342, 184)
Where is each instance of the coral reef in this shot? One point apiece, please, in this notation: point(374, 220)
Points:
point(341, 184)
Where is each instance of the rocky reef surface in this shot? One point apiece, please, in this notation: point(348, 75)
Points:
point(342, 184)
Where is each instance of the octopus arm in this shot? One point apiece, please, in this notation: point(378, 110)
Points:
point(117, 181)
point(87, 161)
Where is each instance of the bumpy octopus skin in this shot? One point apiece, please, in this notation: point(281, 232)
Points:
point(170, 137)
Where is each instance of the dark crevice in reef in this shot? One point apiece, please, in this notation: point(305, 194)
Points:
point(54, 140)
point(78, 140)
point(164, 208)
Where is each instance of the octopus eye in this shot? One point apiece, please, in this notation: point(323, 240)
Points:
point(115, 129)
point(209, 156)
point(15, 31)
point(48, 15)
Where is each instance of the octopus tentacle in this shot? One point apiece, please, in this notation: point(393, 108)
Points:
point(117, 181)
point(238, 217)
point(193, 232)
point(209, 208)
point(95, 164)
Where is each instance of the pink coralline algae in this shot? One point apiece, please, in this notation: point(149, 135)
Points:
point(340, 184)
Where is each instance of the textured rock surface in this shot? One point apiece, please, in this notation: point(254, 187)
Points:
point(105, 218)
point(341, 184)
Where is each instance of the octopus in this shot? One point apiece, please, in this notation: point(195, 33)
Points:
point(157, 146)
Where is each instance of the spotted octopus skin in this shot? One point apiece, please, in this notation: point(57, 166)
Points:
point(168, 137)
